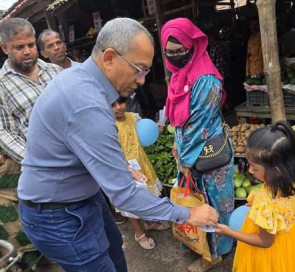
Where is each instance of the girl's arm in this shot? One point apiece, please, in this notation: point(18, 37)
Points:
point(262, 239)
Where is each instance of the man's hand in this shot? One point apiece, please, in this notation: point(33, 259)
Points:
point(203, 215)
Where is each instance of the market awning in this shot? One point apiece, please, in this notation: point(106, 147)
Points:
point(56, 4)
point(60, 5)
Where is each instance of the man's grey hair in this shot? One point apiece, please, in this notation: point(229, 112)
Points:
point(44, 33)
point(119, 34)
point(13, 26)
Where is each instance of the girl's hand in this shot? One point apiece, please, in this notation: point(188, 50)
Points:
point(161, 127)
point(138, 176)
point(222, 229)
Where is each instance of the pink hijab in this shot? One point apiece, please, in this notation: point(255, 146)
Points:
point(182, 80)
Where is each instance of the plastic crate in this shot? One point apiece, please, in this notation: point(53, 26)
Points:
point(257, 99)
point(260, 98)
point(289, 98)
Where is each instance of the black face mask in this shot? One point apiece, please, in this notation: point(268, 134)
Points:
point(181, 60)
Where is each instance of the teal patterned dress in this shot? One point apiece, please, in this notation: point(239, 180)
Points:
point(205, 121)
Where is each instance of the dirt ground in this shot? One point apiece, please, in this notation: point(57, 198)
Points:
point(167, 256)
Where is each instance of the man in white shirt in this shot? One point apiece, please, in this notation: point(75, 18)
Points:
point(53, 48)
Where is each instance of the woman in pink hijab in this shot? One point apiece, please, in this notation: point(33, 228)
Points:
point(193, 106)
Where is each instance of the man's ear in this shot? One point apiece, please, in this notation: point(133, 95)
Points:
point(4, 47)
point(43, 53)
point(108, 58)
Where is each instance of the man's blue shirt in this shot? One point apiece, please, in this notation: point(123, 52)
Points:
point(73, 148)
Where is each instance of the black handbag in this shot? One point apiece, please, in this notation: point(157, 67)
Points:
point(216, 153)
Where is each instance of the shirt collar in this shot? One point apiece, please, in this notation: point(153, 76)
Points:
point(73, 63)
point(7, 68)
point(111, 94)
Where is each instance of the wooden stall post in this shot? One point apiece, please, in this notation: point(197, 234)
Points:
point(50, 21)
point(272, 70)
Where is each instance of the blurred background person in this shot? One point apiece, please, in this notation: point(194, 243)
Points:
point(53, 48)
point(254, 62)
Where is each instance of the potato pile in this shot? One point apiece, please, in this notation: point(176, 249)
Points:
point(240, 134)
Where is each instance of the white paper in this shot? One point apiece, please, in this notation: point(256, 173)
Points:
point(133, 163)
point(208, 228)
point(162, 117)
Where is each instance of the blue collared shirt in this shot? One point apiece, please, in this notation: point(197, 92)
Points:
point(73, 148)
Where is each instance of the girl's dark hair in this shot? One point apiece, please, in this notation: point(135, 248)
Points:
point(273, 147)
point(120, 100)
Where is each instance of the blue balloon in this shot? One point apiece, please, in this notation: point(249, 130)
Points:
point(147, 132)
point(238, 216)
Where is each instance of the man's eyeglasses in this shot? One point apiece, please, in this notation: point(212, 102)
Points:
point(141, 73)
point(178, 52)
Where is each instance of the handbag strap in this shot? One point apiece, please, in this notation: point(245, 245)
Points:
point(187, 186)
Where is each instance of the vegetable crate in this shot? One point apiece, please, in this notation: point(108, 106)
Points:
point(260, 99)
point(257, 99)
point(289, 98)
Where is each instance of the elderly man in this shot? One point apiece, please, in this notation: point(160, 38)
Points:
point(22, 79)
point(53, 48)
point(73, 153)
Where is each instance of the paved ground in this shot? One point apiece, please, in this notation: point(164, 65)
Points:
point(167, 256)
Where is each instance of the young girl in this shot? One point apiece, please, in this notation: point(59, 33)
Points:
point(267, 238)
point(126, 124)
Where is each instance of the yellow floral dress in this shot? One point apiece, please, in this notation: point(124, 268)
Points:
point(133, 150)
point(277, 216)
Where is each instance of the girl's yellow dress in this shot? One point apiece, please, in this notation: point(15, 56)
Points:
point(133, 150)
point(277, 216)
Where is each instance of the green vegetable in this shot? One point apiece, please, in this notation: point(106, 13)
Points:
point(22, 238)
point(9, 181)
point(258, 186)
point(3, 233)
point(238, 180)
point(254, 81)
point(241, 192)
point(8, 214)
point(160, 155)
point(236, 173)
point(170, 129)
point(246, 182)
